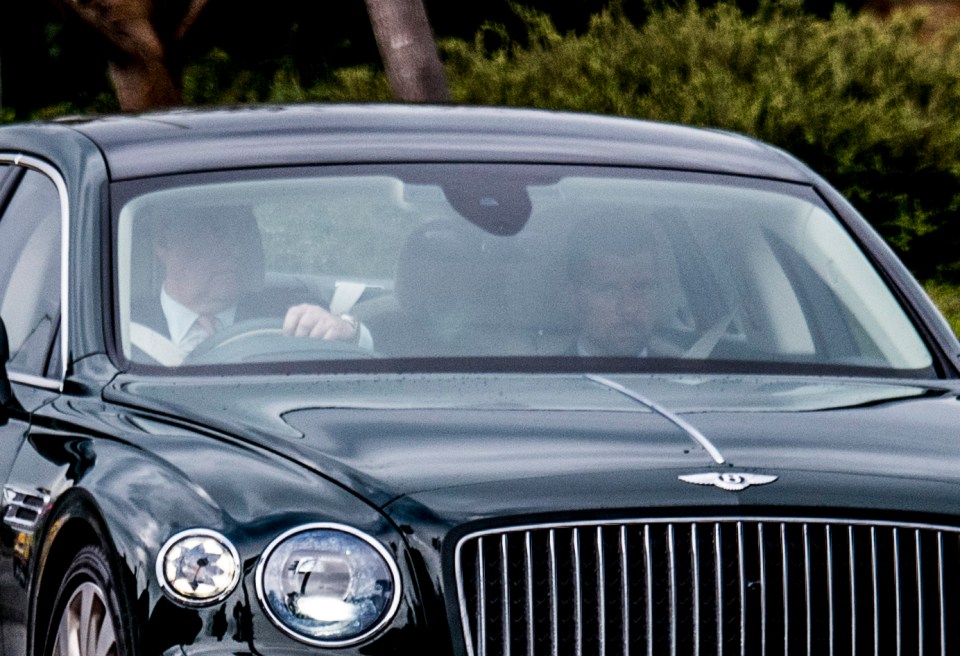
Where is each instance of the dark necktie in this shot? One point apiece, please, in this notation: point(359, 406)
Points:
point(208, 323)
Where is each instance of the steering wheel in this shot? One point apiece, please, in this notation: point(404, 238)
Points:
point(262, 340)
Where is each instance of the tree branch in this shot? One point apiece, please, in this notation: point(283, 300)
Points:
point(138, 67)
point(125, 24)
point(193, 11)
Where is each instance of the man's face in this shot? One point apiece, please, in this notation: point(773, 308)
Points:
point(204, 265)
point(616, 302)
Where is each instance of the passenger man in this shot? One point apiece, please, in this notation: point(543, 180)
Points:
point(615, 287)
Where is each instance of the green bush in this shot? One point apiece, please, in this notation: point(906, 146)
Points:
point(867, 103)
point(947, 297)
point(215, 80)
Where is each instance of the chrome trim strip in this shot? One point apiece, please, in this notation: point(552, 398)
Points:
point(806, 587)
point(853, 587)
point(919, 593)
point(943, 601)
point(648, 565)
point(26, 526)
point(35, 381)
point(695, 558)
point(528, 557)
point(625, 588)
point(743, 591)
point(718, 563)
point(876, 593)
point(481, 602)
point(830, 609)
point(896, 585)
point(577, 594)
point(763, 589)
point(26, 161)
point(467, 630)
point(554, 602)
point(33, 502)
point(677, 421)
point(505, 593)
point(672, 573)
point(64, 281)
point(786, 589)
point(601, 594)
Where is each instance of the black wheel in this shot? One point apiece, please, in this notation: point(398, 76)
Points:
point(87, 617)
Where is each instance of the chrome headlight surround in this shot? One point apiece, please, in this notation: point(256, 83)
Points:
point(193, 548)
point(340, 567)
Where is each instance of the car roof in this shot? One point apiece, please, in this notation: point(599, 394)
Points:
point(188, 140)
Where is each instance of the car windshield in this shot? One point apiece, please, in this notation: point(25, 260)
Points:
point(504, 267)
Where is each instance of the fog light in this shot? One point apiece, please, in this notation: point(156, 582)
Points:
point(328, 585)
point(198, 567)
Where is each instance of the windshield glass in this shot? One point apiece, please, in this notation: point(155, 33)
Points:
point(461, 266)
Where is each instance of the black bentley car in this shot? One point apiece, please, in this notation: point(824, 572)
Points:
point(448, 380)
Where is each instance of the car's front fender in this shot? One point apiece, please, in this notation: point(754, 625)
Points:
point(130, 489)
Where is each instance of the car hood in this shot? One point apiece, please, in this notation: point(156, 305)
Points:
point(471, 446)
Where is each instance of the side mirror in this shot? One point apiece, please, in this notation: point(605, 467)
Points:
point(6, 394)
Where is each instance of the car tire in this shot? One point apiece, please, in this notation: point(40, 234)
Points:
point(87, 618)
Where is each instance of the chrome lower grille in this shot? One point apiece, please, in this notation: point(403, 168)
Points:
point(712, 586)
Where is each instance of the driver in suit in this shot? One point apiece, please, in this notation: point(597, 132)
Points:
point(212, 278)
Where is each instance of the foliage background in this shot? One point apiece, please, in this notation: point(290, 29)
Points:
point(867, 103)
point(871, 104)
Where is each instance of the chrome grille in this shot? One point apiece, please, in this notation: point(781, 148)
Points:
point(712, 586)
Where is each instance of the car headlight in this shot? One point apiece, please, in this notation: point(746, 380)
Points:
point(328, 585)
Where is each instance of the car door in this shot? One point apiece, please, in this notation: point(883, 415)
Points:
point(30, 261)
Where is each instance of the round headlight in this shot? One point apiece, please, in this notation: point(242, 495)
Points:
point(328, 585)
point(198, 567)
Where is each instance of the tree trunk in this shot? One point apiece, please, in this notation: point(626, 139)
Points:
point(140, 73)
point(139, 67)
point(408, 50)
point(142, 84)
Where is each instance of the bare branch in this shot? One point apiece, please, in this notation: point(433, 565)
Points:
point(193, 11)
point(138, 67)
point(125, 24)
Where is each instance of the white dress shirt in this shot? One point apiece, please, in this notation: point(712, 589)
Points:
point(182, 322)
point(187, 334)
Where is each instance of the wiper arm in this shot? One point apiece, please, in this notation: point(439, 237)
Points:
point(673, 418)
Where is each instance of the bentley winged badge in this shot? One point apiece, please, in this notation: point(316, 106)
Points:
point(733, 481)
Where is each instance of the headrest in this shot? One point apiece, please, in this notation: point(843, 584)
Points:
point(453, 273)
point(164, 223)
point(441, 268)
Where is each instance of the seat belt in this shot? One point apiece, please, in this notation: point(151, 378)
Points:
point(345, 296)
point(704, 346)
point(155, 345)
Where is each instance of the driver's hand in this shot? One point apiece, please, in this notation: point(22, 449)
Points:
point(307, 320)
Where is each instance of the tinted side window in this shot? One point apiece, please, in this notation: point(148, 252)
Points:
point(30, 271)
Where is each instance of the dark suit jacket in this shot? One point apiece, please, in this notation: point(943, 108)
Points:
point(658, 346)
